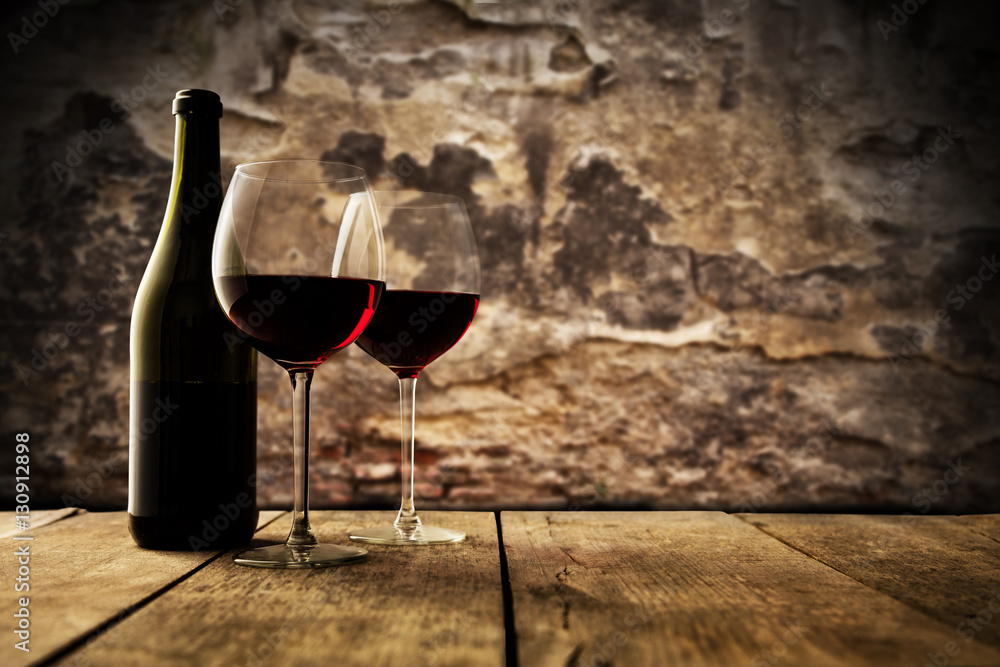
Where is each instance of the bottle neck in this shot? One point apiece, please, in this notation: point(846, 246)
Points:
point(195, 192)
point(196, 188)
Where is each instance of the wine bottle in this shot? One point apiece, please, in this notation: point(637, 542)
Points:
point(193, 405)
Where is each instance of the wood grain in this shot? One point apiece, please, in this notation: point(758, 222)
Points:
point(935, 564)
point(85, 571)
point(699, 588)
point(429, 605)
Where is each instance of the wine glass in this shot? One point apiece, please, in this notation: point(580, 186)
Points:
point(432, 293)
point(299, 272)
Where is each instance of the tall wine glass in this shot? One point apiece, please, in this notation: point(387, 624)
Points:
point(299, 272)
point(432, 293)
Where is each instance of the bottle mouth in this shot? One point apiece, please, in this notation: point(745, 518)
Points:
point(198, 101)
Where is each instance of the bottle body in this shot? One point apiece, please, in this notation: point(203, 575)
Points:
point(193, 403)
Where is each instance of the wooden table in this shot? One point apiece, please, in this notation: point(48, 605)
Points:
point(534, 588)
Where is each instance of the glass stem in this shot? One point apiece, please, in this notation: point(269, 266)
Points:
point(407, 519)
point(301, 534)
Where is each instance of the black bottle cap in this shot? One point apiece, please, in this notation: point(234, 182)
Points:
point(198, 101)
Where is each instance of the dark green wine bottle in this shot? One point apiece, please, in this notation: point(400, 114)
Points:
point(193, 406)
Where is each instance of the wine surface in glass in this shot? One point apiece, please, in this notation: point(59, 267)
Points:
point(300, 320)
point(412, 328)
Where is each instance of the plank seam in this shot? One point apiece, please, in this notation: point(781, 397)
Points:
point(809, 555)
point(103, 627)
point(509, 632)
point(122, 615)
point(920, 611)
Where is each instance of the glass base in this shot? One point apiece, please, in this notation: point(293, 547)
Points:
point(283, 557)
point(417, 535)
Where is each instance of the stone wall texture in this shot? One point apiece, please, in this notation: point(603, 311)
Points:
point(737, 254)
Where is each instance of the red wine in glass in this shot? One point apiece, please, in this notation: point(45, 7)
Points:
point(300, 320)
point(432, 294)
point(412, 328)
point(298, 266)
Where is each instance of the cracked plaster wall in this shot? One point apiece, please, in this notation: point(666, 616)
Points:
point(714, 274)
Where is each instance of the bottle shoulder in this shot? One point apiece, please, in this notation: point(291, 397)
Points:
point(179, 331)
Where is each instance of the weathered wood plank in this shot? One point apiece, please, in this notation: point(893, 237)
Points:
point(430, 605)
point(36, 520)
point(85, 570)
point(935, 564)
point(698, 588)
